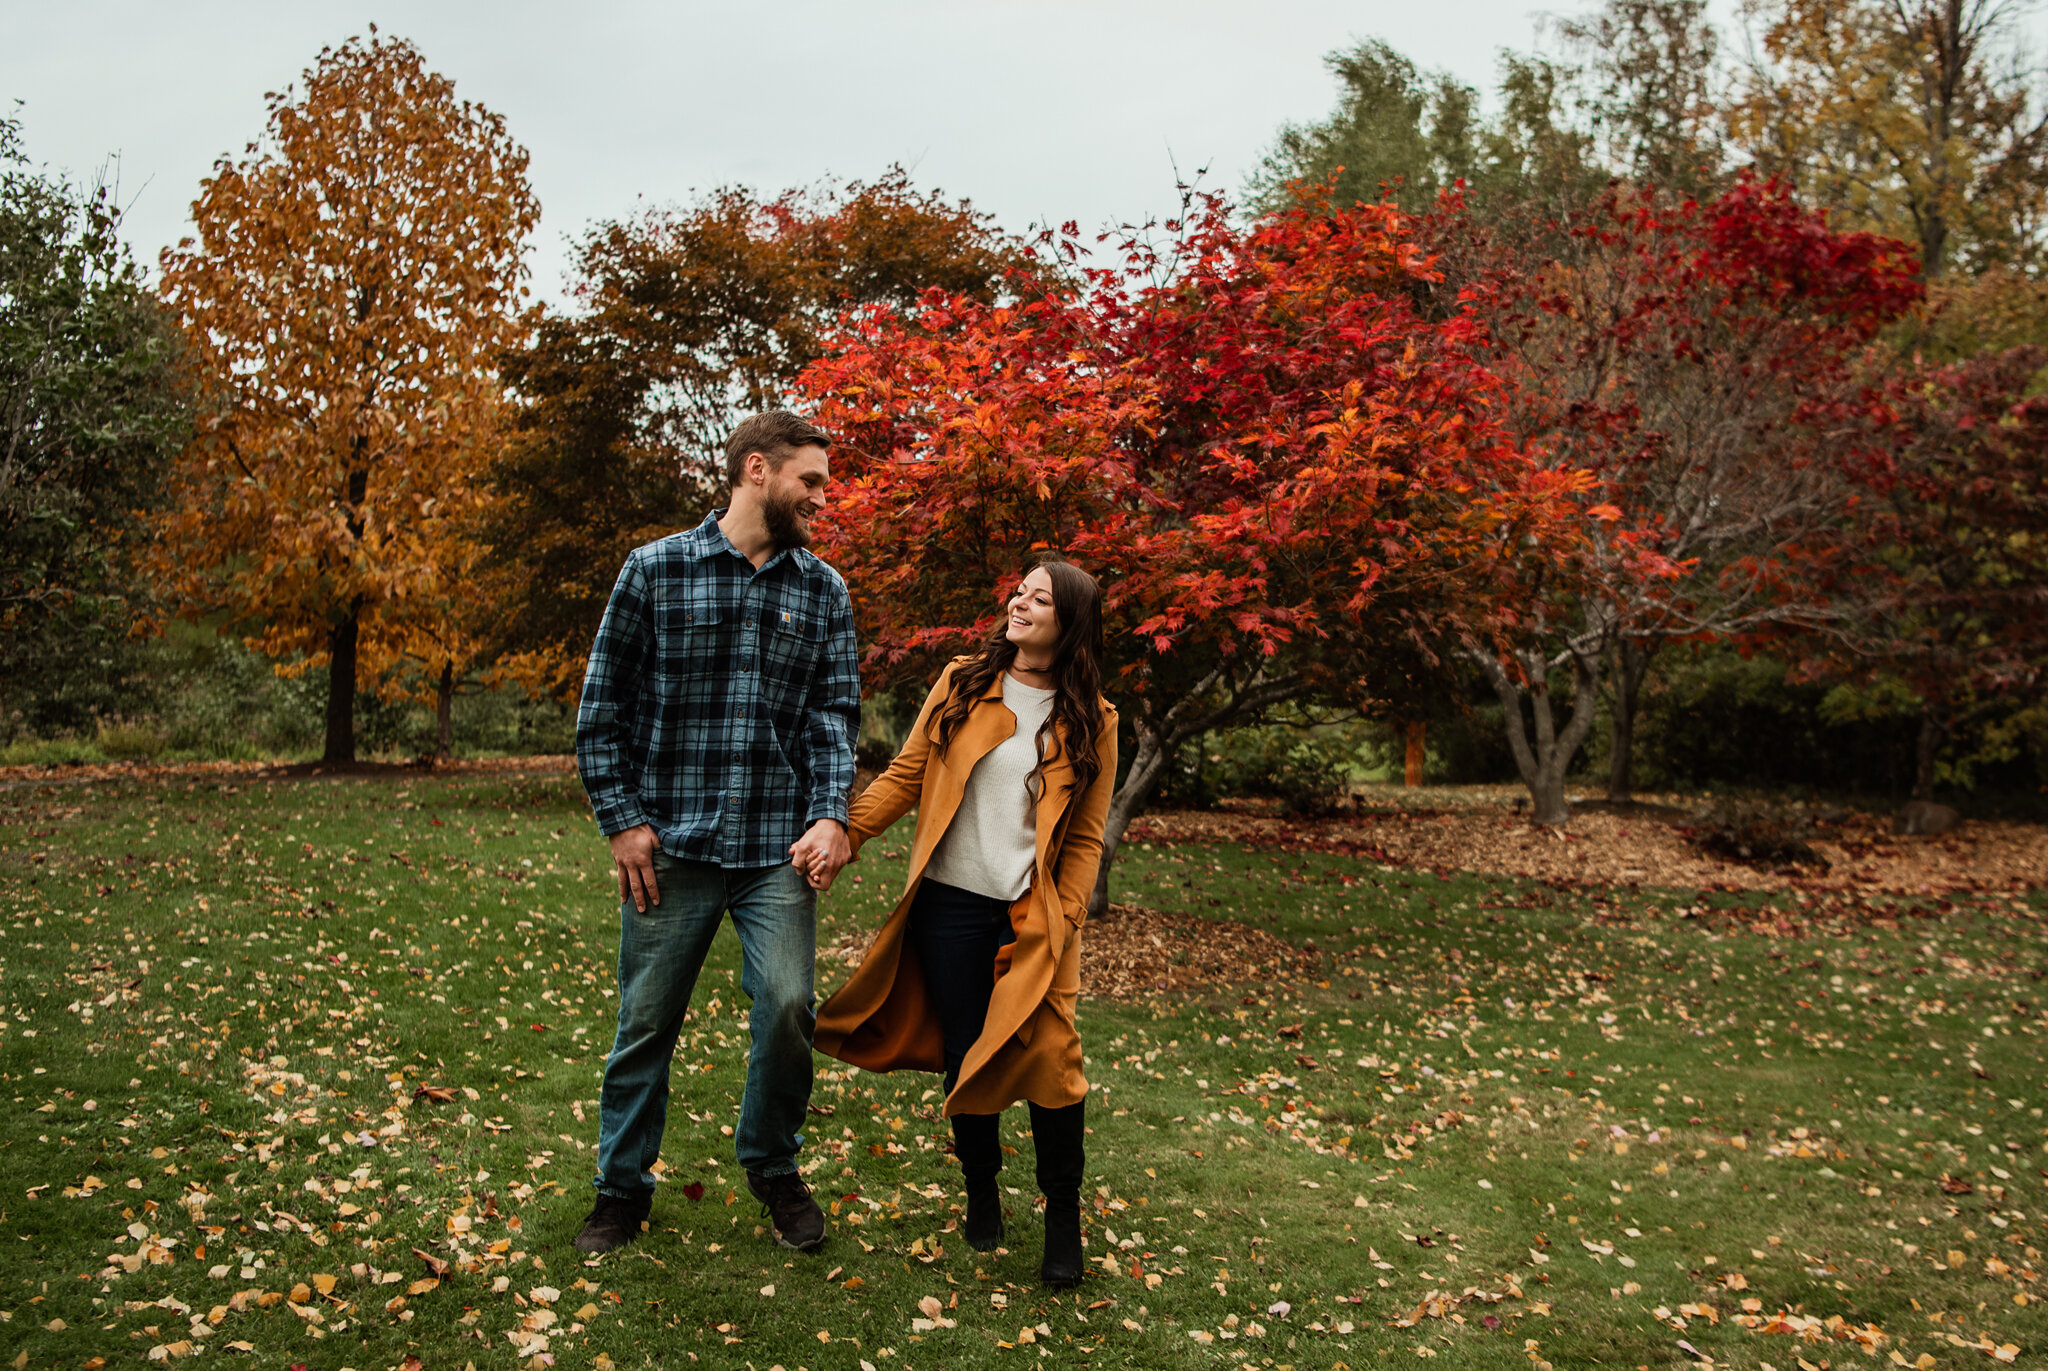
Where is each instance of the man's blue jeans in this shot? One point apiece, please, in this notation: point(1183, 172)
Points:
point(774, 911)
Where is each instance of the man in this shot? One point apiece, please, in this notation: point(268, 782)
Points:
point(715, 739)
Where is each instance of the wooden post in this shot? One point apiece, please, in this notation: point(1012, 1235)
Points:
point(1413, 771)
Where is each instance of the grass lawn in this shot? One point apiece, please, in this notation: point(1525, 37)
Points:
point(304, 1073)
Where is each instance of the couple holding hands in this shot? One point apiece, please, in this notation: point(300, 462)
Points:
point(715, 739)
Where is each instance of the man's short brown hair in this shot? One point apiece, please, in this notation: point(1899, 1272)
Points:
point(776, 435)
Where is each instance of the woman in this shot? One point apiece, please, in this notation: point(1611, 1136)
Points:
point(1010, 765)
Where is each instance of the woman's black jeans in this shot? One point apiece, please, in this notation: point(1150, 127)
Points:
point(956, 935)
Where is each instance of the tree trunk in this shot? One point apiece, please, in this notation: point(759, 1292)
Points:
point(1631, 665)
point(1926, 752)
point(1411, 768)
point(1544, 759)
point(341, 686)
point(342, 638)
point(1148, 765)
point(443, 702)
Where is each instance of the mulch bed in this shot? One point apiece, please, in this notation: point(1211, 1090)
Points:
point(1607, 849)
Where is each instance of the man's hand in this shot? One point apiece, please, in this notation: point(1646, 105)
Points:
point(633, 855)
point(821, 852)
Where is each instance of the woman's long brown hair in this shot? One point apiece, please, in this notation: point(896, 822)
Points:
point(1076, 672)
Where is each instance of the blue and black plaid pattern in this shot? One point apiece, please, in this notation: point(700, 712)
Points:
point(721, 702)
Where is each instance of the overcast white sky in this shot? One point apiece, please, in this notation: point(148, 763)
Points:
point(1040, 111)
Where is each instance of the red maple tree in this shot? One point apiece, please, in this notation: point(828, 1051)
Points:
point(1294, 487)
point(1701, 361)
point(1955, 591)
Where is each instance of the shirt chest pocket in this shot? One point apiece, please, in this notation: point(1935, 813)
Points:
point(695, 639)
point(790, 645)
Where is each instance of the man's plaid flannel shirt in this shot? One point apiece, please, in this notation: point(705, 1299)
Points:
point(721, 702)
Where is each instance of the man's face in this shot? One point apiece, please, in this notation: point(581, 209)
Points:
point(792, 494)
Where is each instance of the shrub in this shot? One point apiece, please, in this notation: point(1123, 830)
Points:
point(1308, 767)
point(127, 740)
point(50, 752)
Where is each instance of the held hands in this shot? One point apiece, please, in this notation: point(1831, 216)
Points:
point(821, 852)
point(633, 855)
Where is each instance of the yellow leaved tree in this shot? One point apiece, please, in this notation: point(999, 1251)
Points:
point(353, 281)
point(1917, 118)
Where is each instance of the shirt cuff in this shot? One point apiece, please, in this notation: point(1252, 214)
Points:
point(826, 810)
point(613, 820)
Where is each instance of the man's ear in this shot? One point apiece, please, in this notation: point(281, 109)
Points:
point(755, 470)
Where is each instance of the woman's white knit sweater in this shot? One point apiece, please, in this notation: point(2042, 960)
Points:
point(992, 843)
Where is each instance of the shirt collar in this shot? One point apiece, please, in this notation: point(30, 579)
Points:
point(708, 540)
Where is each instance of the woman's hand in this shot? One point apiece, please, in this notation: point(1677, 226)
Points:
point(820, 853)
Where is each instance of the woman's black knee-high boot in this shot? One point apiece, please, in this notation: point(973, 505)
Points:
point(1058, 1134)
point(975, 1143)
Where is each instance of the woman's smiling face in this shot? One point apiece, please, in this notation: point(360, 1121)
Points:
point(1034, 627)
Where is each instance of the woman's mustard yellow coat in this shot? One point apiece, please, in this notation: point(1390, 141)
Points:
point(881, 1020)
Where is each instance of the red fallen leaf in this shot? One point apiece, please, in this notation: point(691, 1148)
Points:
point(539, 1028)
point(435, 822)
point(1489, 1322)
point(434, 1263)
point(694, 1190)
point(411, 1363)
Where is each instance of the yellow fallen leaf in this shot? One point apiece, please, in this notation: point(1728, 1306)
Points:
point(423, 1285)
point(324, 1283)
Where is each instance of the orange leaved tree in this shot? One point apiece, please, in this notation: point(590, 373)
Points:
point(352, 281)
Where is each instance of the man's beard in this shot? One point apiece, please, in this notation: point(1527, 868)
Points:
point(785, 529)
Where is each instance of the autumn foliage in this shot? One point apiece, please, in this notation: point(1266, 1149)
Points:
point(1953, 600)
point(351, 285)
point(688, 318)
point(1703, 362)
point(1294, 486)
